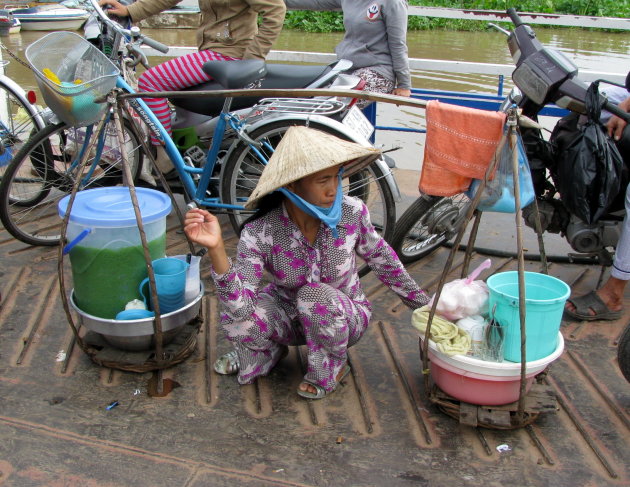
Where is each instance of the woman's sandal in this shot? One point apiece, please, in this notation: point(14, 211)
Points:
point(320, 391)
point(228, 364)
point(590, 307)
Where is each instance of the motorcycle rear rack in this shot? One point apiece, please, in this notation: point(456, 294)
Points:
point(312, 106)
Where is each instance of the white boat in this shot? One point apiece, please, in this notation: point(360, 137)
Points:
point(8, 23)
point(50, 17)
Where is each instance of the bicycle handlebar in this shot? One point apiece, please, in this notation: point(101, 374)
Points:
point(158, 46)
point(133, 32)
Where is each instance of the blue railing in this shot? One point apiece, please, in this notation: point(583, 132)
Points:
point(471, 100)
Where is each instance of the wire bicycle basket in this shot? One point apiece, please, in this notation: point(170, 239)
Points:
point(71, 73)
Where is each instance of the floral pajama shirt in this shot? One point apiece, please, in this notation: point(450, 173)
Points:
point(314, 297)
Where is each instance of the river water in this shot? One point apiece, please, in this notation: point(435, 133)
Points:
point(590, 49)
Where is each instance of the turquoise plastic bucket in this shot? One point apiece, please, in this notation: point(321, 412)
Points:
point(545, 297)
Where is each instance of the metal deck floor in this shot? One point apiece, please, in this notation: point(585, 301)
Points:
point(377, 429)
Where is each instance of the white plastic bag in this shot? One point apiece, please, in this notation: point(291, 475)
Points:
point(193, 278)
point(464, 297)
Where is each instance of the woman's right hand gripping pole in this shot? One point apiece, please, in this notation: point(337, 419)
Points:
point(203, 228)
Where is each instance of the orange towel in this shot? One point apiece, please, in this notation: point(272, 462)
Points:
point(460, 144)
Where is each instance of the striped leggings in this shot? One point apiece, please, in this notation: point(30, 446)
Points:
point(179, 73)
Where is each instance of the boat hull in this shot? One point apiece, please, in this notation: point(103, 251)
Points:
point(52, 24)
point(50, 18)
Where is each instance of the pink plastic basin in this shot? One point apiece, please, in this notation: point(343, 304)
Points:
point(484, 383)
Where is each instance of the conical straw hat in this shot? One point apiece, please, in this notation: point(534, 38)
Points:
point(304, 151)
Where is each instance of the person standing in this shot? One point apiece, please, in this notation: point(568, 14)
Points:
point(606, 303)
point(375, 41)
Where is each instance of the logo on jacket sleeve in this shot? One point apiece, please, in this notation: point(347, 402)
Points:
point(373, 12)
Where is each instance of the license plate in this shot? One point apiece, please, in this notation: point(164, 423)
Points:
point(359, 123)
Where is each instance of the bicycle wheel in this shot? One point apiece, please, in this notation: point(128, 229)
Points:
point(428, 223)
point(44, 170)
point(243, 168)
point(18, 120)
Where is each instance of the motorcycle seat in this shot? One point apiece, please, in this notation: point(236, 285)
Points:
point(235, 74)
point(278, 76)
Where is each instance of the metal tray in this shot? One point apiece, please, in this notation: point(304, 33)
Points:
point(138, 334)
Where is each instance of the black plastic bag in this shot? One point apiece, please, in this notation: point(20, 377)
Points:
point(590, 168)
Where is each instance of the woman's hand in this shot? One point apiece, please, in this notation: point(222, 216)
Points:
point(401, 92)
point(615, 124)
point(115, 8)
point(203, 227)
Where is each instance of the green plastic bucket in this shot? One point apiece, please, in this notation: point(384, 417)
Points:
point(545, 297)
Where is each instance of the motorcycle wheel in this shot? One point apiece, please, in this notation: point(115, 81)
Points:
point(243, 168)
point(428, 223)
point(623, 353)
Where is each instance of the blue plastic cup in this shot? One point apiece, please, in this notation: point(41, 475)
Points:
point(170, 280)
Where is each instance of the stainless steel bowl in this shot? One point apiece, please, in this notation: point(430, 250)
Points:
point(137, 335)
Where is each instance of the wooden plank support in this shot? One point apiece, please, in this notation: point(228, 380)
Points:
point(468, 414)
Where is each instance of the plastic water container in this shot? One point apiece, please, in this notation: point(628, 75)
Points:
point(545, 297)
point(104, 244)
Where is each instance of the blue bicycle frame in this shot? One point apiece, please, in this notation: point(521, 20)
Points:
point(196, 191)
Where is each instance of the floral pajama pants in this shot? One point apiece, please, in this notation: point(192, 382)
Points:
point(328, 322)
point(374, 83)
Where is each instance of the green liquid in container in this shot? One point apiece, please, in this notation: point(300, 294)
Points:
point(105, 280)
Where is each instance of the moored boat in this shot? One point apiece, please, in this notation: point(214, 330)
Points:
point(50, 17)
point(8, 23)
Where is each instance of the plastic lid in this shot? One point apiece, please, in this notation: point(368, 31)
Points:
point(112, 207)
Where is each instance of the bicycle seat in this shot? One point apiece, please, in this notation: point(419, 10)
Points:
point(279, 76)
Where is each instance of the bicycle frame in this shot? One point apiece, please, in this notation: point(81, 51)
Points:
point(196, 181)
point(195, 191)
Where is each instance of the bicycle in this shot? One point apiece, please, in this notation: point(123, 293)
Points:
point(220, 184)
point(18, 118)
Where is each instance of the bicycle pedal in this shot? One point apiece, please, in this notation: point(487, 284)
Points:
point(196, 155)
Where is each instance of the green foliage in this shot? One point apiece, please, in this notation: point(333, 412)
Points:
point(333, 21)
point(314, 21)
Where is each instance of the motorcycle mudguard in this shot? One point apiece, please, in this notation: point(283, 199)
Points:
point(332, 124)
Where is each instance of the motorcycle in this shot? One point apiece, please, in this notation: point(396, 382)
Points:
point(542, 76)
